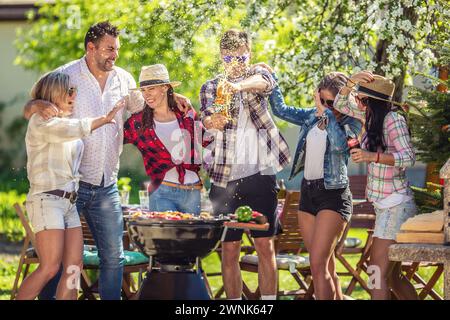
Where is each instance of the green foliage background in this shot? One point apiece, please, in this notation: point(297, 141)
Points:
point(180, 35)
point(303, 39)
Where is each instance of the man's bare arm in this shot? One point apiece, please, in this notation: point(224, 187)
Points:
point(45, 109)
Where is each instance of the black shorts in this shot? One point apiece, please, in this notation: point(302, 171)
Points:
point(314, 198)
point(257, 191)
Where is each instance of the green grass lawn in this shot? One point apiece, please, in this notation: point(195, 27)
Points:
point(212, 264)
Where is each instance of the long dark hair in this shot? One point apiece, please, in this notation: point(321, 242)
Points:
point(376, 111)
point(147, 115)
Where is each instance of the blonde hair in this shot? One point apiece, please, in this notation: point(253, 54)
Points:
point(52, 86)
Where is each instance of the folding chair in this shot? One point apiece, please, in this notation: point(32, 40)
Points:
point(364, 252)
point(288, 249)
point(28, 254)
point(425, 288)
point(363, 217)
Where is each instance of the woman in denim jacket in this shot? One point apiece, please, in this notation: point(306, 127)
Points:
point(326, 201)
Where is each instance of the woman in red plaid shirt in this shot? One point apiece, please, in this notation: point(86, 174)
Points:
point(388, 151)
point(167, 140)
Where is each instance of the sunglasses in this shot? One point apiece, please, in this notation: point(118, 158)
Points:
point(327, 103)
point(71, 91)
point(364, 100)
point(229, 59)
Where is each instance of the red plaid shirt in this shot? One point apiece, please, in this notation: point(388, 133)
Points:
point(157, 159)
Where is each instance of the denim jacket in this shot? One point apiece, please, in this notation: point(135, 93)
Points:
point(336, 154)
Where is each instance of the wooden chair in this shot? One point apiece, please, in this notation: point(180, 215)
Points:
point(364, 253)
point(363, 217)
point(425, 288)
point(287, 243)
point(28, 254)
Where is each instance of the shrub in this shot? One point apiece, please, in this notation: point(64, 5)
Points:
point(10, 225)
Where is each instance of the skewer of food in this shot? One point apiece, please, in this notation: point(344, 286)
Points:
point(168, 215)
point(243, 217)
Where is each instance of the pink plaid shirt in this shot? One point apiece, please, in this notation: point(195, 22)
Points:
point(383, 180)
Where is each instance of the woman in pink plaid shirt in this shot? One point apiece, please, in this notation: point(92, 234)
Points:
point(387, 148)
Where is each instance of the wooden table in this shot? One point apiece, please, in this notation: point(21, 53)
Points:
point(411, 252)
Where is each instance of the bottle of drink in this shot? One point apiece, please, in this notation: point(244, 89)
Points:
point(352, 139)
point(282, 191)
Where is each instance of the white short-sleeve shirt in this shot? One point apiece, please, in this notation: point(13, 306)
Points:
point(103, 147)
point(316, 146)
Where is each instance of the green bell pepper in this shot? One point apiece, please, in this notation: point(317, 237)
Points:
point(244, 213)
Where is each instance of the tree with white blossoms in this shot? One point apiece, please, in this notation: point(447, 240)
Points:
point(302, 39)
point(389, 37)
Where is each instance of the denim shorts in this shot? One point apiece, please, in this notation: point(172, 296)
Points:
point(48, 212)
point(167, 198)
point(315, 198)
point(388, 221)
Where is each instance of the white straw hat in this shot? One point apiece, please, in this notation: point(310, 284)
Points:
point(155, 75)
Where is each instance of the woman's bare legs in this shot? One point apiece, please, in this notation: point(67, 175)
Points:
point(73, 265)
point(387, 275)
point(50, 245)
point(320, 234)
point(333, 273)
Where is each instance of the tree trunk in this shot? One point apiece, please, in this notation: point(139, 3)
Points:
point(381, 58)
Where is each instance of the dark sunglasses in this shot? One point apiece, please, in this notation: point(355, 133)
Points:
point(241, 59)
point(71, 91)
point(327, 103)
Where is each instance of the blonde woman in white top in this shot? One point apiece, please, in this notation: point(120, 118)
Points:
point(54, 150)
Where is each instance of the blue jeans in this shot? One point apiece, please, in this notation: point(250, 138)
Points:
point(167, 198)
point(103, 212)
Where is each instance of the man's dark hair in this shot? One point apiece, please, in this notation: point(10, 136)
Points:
point(98, 30)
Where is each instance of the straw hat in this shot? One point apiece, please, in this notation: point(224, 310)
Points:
point(155, 75)
point(380, 88)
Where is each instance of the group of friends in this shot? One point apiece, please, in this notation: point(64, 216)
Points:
point(77, 129)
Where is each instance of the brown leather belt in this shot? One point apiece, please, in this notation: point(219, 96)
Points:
point(72, 196)
point(197, 186)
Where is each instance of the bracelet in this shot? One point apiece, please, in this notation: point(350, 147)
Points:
point(378, 157)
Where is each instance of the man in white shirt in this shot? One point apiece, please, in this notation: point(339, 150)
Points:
point(100, 86)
